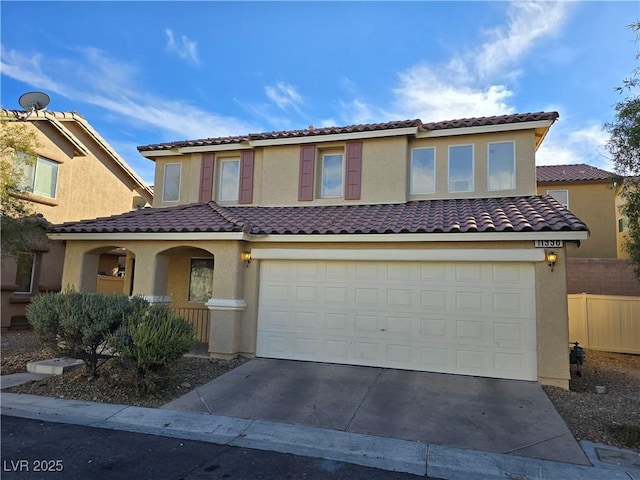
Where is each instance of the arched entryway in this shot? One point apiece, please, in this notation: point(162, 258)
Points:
point(185, 274)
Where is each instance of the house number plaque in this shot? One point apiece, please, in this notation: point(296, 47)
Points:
point(548, 243)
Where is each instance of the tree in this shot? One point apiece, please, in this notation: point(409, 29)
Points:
point(624, 147)
point(20, 227)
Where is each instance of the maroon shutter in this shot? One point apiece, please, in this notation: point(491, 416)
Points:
point(206, 177)
point(246, 177)
point(354, 171)
point(307, 167)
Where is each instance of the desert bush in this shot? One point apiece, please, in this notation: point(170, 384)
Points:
point(149, 346)
point(75, 324)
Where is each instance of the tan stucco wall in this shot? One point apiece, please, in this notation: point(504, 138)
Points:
point(385, 170)
point(553, 323)
point(524, 163)
point(595, 205)
point(148, 254)
point(234, 332)
point(49, 271)
point(88, 186)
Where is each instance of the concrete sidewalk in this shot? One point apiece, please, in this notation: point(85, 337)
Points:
point(379, 452)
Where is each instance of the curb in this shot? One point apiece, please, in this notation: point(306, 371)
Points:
point(379, 452)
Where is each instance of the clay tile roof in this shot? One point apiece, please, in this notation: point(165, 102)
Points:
point(494, 120)
point(571, 173)
point(513, 214)
point(194, 217)
point(369, 127)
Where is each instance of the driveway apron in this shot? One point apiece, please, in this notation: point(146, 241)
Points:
point(503, 416)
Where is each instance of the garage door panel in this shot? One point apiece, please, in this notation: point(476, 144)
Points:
point(367, 297)
point(469, 318)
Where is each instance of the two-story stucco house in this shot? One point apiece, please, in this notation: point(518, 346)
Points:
point(76, 175)
point(405, 245)
point(590, 193)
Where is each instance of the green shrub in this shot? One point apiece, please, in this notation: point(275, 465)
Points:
point(149, 346)
point(75, 324)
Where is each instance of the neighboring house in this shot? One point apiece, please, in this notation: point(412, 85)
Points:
point(591, 194)
point(405, 245)
point(76, 175)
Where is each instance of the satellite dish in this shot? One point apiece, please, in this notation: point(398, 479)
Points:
point(34, 101)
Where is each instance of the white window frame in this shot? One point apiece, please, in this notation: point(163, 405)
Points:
point(323, 194)
point(473, 169)
point(213, 266)
point(413, 190)
point(623, 224)
point(30, 174)
point(164, 182)
point(565, 191)
point(221, 179)
point(513, 171)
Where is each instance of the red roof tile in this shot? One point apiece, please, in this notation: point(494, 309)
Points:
point(313, 132)
point(571, 173)
point(514, 214)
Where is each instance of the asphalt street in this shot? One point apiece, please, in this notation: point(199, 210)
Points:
point(33, 449)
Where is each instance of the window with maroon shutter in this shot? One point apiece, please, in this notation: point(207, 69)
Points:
point(307, 167)
point(206, 177)
point(353, 171)
point(246, 177)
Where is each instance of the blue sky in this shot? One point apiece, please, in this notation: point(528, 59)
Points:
point(149, 72)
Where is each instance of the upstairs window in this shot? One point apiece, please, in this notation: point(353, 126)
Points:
point(39, 175)
point(423, 171)
point(229, 179)
point(461, 169)
point(332, 176)
point(623, 224)
point(561, 196)
point(171, 185)
point(201, 279)
point(502, 166)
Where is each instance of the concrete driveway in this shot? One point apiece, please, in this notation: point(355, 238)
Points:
point(503, 416)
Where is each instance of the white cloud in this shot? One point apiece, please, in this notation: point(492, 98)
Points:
point(472, 82)
point(360, 112)
point(185, 48)
point(99, 80)
point(284, 96)
point(528, 23)
point(424, 94)
point(584, 144)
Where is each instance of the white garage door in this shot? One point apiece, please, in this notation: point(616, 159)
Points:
point(468, 317)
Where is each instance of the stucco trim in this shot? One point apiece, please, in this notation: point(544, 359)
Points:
point(507, 127)
point(216, 148)
point(427, 237)
point(395, 132)
point(404, 255)
point(226, 304)
point(152, 236)
point(330, 238)
point(158, 299)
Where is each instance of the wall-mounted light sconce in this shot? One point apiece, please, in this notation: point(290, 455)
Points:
point(246, 258)
point(552, 258)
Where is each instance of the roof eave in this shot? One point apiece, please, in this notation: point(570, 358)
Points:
point(503, 127)
point(566, 235)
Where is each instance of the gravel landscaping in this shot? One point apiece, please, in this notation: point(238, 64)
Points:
point(612, 418)
point(20, 347)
